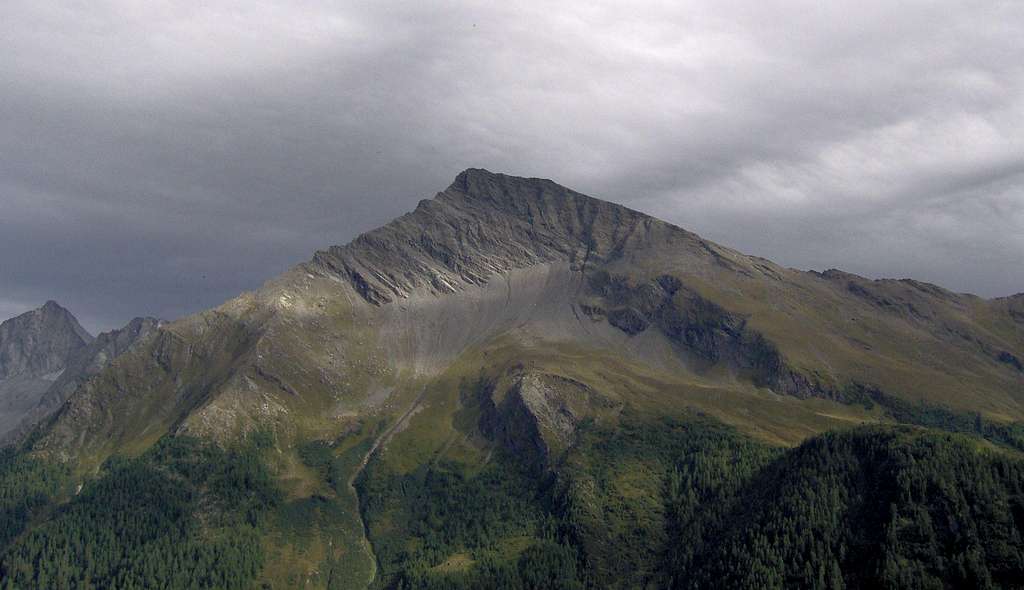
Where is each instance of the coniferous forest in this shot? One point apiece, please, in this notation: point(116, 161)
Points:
point(654, 503)
point(185, 514)
point(694, 505)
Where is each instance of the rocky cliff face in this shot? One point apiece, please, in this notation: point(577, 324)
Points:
point(484, 225)
point(35, 348)
point(39, 342)
point(537, 415)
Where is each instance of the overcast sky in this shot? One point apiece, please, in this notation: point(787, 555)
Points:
point(158, 158)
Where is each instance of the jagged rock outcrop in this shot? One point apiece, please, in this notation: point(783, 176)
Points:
point(536, 418)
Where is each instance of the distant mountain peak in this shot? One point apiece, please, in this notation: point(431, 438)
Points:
point(53, 309)
point(40, 341)
point(80, 364)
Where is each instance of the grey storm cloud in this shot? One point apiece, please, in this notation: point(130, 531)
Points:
point(157, 158)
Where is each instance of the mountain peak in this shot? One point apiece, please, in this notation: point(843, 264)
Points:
point(40, 341)
point(64, 316)
point(471, 177)
point(517, 195)
point(52, 308)
point(480, 182)
point(483, 224)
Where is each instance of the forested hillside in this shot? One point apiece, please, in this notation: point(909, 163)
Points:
point(184, 515)
point(694, 505)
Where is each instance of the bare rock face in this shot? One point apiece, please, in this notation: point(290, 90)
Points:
point(538, 416)
point(40, 342)
point(485, 224)
point(35, 348)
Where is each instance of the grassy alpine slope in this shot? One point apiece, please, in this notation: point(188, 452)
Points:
point(519, 386)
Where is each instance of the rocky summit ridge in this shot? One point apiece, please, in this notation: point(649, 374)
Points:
point(485, 224)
